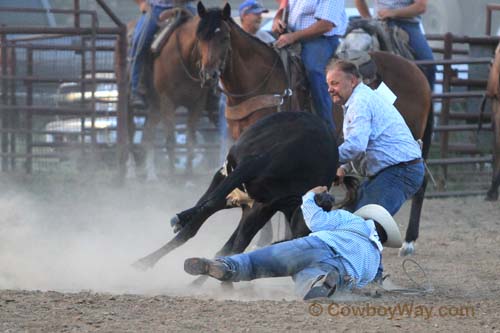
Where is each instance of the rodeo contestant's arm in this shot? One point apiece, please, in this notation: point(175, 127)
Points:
point(315, 217)
point(417, 8)
point(363, 9)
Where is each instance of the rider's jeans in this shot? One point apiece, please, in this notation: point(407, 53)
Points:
point(315, 55)
point(305, 259)
point(420, 46)
point(144, 32)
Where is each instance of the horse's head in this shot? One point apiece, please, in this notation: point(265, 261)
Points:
point(214, 42)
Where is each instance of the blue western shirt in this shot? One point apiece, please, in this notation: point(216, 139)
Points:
point(360, 255)
point(375, 130)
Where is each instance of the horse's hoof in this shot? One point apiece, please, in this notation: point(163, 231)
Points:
point(407, 249)
point(491, 196)
point(142, 265)
point(177, 228)
point(175, 220)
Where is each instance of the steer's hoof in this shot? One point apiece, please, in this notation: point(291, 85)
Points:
point(174, 221)
point(142, 265)
point(407, 249)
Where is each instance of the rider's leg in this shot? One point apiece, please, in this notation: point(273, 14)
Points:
point(143, 37)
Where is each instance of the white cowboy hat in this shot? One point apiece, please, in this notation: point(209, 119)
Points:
point(380, 215)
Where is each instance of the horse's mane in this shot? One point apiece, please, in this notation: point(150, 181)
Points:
point(209, 23)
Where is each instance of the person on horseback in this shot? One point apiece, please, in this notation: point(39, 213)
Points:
point(376, 134)
point(343, 251)
point(317, 25)
point(251, 17)
point(405, 14)
point(143, 36)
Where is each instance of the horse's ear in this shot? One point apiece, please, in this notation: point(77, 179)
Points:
point(226, 11)
point(201, 9)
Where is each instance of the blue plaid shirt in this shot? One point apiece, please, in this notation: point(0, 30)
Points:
point(304, 13)
point(375, 130)
point(360, 255)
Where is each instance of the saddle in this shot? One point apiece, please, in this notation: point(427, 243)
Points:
point(168, 21)
point(390, 38)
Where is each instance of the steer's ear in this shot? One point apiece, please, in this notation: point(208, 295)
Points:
point(226, 12)
point(201, 9)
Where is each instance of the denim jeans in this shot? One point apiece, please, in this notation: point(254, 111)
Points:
point(315, 55)
point(391, 187)
point(144, 32)
point(305, 259)
point(420, 46)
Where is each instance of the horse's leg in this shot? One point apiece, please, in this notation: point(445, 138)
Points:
point(131, 162)
point(148, 140)
point(192, 119)
point(168, 114)
point(408, 247)
point(492, 194)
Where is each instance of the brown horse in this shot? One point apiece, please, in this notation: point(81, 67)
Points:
point(493, 92)
point(171, 81)
point(243, 63)
point(252, 73)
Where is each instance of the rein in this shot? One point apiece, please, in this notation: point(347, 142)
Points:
point(186, 70)
point(253, 91)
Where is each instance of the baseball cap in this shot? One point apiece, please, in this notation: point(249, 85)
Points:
point(252, 7)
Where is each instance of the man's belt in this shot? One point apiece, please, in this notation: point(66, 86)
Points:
point(415, 161)
point(407, 163)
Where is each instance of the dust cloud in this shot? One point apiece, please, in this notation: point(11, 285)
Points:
point(71, 236)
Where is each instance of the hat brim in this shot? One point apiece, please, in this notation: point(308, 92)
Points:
point(380, 215)
point(255, 11)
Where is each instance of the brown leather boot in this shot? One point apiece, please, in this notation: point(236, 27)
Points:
point(214, 268)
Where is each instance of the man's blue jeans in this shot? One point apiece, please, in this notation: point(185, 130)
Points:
point(315, 55)
point(305, 259)
point(419, 44)
point(391, 187)
point(144, 32)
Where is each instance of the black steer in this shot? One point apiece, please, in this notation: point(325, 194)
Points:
point(274, 162)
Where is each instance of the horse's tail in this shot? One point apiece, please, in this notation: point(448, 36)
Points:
point(351, 184)
point(481, 112)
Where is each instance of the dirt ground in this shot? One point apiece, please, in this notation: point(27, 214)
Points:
point(66, 249)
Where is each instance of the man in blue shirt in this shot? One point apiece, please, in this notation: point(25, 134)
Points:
point(342, 251)
point(377, 141)
point(317, 25)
